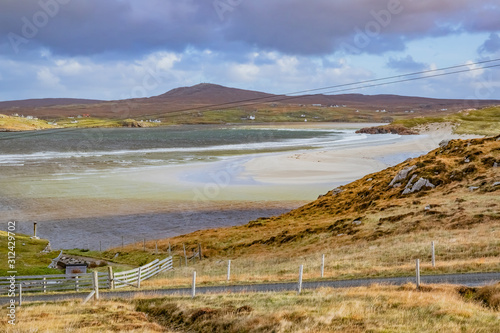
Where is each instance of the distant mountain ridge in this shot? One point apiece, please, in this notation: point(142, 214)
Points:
point(207, 96)
point(44, 102)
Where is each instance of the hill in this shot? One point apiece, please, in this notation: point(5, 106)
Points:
point(45, 102)
point(453, 187)
point(206, 93)
point(375, 226)
point(210, 103)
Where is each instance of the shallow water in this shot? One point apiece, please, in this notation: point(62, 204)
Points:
point(106, 232)
point(45, 176)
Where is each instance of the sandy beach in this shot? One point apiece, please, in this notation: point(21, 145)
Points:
point(345, 164)
point(170, 200)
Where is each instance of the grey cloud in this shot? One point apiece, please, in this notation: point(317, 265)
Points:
point(405, 64)
point(127, 28)
point(491, 45)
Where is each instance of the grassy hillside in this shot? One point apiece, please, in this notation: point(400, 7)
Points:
point(368, 228)
point(9, 123)
point(366, 309)
point(29, 257)
point(483, 122)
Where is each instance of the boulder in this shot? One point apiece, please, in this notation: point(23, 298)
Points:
point(419, 185)
point(337, 191)
point(402, 175)
point(444, 143)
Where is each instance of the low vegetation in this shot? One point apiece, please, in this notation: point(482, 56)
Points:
point(368, 228)
point(483, 122)
point(365, 309)
point(30, 260)
point(14, 124)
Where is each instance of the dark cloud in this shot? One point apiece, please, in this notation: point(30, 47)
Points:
point(127, 28)
point(405, 64)
point(491, 45)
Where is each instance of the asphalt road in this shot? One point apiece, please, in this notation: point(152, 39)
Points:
point(475, 279)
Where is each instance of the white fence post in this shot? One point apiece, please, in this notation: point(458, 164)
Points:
point(193, 290)
point(301, 271)
point(139, 278)
point(77, 285)
point(95, 282)
point(44, 284)
point(20, 294)
point(418, 273)
point(111, 278)
point(228, 270)
point(323, 266)
point(433, 255)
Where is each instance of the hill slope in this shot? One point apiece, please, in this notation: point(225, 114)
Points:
point(453, 187)
point(210, 103)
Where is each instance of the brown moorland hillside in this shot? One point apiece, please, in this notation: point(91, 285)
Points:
point(456, 186)
point(188, 101)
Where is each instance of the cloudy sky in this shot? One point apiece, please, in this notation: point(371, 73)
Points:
point(114, 49)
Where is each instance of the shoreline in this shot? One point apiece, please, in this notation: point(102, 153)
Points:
point(173, 200)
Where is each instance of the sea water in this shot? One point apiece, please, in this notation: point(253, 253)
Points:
point(85, 164)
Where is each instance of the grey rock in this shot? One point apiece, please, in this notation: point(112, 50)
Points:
point(419, 185)
point(357, 222)
point(444, 143)
point(496, 184)
point(473, 188)
point(409, 185)
point(402, 175)
point(397, 185)
point(428, 207)
point(467, 160)
point(369, 179)
point(337, 191)
point(495, 165)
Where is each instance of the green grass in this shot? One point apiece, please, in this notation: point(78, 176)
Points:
point(482, 122)
point(268, 114)
point(89, 122)
point(22, 124)
point(28, 257)
point(134, 257)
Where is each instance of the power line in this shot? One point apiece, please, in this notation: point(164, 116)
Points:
point(284, 97)
point(413, 79)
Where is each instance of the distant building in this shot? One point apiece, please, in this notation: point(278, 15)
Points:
point(76, 268)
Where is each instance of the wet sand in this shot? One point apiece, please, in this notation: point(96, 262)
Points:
point(166, 201)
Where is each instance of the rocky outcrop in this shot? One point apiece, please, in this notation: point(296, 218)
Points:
point(418, 186)
point(388, 129)
point(402, 175)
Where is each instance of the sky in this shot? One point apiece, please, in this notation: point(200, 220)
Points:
point(117, 49)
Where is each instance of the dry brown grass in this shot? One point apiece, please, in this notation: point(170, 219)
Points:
point(365, 309)
point(105, 316)
point(393, 229)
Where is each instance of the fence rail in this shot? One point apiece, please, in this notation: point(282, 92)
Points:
point(78, 282)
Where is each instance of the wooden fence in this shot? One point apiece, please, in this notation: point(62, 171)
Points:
point(135, 276)
point(78, 282)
